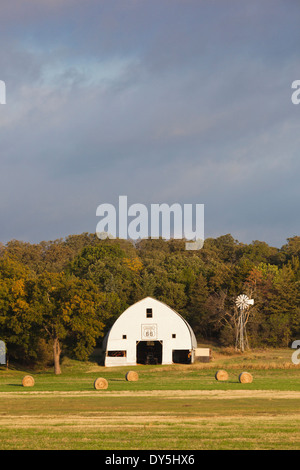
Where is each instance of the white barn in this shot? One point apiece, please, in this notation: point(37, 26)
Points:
point(149, 332)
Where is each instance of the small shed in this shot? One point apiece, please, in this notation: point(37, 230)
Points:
point(2, 352)
point(149, 332)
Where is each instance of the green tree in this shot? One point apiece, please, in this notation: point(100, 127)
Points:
point(15, 314)
point(198, 311)
point(68, 312)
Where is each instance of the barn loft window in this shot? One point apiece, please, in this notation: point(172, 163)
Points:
point(149, 312)
point(173, 335)
point(124, 336)
point(116, 353)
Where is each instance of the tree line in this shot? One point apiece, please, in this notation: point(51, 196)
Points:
point(61, 297)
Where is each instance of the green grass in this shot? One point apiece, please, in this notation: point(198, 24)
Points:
point(80, 377)
point(170, 380)
point(117, 423)
point(220, 436)
point(170, 407)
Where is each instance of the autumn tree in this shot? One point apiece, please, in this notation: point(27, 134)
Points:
point(198, 308)
point(15, 314)
point(68, 292)
point(68, 312)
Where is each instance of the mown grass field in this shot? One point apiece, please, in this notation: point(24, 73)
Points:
point(170, 407)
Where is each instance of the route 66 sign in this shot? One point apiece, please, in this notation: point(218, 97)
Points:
point(149, 332)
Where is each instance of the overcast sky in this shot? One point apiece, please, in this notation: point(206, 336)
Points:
point(164, 101)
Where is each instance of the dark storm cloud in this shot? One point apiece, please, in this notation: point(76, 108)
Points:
point(161, 100)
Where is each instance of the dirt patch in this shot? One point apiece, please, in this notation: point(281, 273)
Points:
point(184, 394)
point(113, 420)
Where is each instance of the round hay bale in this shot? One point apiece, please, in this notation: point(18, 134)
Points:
point(245, 378)
point(132, 376)
point(28, 381)
point(100, 384)
point(221, 375)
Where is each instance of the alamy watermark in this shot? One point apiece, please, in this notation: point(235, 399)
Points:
point(295, 358)
point(296, 94)
point(2, 92)
point(135, 222)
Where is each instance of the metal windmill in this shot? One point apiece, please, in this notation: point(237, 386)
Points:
point(242, 302)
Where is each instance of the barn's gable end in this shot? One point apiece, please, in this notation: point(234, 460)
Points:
point(149, 332)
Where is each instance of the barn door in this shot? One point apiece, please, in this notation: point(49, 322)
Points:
point(149, 352)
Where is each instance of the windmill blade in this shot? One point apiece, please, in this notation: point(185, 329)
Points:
point(243, 301)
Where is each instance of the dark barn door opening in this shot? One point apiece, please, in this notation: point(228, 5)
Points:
point(149, 352)
point(181, 356)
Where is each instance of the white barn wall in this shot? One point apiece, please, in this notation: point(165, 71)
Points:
point(130, 324)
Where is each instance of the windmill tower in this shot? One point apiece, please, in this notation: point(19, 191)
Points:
point(242, 302)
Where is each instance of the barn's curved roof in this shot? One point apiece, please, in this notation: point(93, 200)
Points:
point(193, 337)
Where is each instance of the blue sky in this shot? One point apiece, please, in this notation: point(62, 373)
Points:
point(161, 100)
